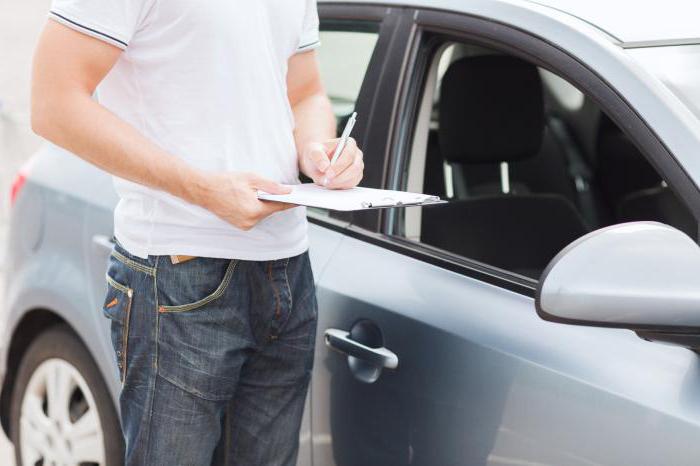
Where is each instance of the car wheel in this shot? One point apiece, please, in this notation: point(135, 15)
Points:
point(62, 413)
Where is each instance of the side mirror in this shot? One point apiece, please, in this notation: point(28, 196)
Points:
point(642, 276)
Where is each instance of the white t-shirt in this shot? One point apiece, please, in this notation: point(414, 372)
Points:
point(206, 81)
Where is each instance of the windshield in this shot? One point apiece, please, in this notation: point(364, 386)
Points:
point(678, 67)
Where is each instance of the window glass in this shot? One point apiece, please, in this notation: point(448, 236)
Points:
point(344, 56)
point(506, 143)
point(566, 94)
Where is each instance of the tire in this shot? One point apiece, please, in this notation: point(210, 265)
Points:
point(80, 428)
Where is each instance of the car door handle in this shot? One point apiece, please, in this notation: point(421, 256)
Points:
point(103, 241)
point(340, 340)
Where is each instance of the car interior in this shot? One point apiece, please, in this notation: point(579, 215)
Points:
point(527, 162)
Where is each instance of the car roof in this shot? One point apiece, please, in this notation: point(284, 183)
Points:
point(637, 23)
point(632, 23)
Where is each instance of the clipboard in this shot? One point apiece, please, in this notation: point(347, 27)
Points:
point(312, 195)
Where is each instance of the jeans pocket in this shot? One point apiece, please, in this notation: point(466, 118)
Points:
point(193, 284)
point(117, 308)
point(201, 330)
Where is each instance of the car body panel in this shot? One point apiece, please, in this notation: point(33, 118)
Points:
point(637, 23)
point(481, 379)
point(54, 278)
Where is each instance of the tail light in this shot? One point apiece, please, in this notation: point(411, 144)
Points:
point(18, 183)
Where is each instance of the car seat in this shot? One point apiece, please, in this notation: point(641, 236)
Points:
point(492, 111)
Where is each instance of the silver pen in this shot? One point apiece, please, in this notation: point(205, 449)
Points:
point(344, 137)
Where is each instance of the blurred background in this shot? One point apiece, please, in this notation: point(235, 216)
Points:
point(20, 23)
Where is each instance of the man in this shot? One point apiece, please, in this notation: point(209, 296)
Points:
point(199, 105)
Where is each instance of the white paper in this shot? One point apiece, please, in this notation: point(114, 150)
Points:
point(312, 195)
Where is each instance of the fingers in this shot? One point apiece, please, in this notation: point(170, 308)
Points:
point(269, 186)
point(270, 207)
point(319, 155)
point(234, 198)
point(329, 146)
point(351, 177)
point(266, 208)
point(258, 211)
point(319, 158)
point(345, 159)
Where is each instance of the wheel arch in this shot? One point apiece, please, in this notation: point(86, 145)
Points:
point(32, 324)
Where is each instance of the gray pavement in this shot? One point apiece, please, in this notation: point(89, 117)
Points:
point(20, 23)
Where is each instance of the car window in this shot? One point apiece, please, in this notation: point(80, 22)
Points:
point(565, 94)
point(344, 55)
point(500, 138)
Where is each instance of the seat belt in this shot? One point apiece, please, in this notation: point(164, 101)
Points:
point(578, 170)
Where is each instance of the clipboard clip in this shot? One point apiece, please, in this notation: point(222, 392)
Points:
point(390, 201)
point(385, 202)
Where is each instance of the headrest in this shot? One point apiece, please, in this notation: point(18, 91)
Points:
point(491, 110)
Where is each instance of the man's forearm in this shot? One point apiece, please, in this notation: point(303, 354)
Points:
point(315, 129)
point(314, 122)
point(81, 125)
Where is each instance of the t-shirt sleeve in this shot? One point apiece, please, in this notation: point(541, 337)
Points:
point(113, 21)
point(310, 36)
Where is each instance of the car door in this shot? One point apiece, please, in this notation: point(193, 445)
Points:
point(428, 357)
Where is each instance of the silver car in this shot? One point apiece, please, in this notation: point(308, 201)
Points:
point(500, 328)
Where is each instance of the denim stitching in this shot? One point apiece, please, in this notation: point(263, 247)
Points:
point(133, 264)
point(279, 302)
point(289, 294)
point(115, 284)
point(155, 295)
point(289, 288)
point(154, 377)
point(276, 291)
point(204, 301)
point(192, 390)
point(125, 325)
point(125, 335)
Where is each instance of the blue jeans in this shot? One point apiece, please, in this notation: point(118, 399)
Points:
point(208, 336)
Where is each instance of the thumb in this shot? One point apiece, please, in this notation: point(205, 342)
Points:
point(270, 207)
point(319, 158)
point(270, 186)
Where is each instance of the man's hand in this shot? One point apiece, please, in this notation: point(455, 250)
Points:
point(233, 197)
point(345, 173)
